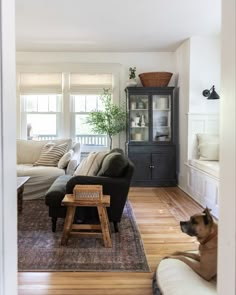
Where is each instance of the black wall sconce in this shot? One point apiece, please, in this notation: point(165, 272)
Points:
point(211, 94)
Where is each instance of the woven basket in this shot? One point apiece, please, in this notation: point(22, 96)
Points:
point(155, 79)
point(88, 192)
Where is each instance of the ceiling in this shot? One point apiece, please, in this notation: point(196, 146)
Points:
point(114, 26)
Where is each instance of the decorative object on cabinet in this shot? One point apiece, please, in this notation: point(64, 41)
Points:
point(155, 79)
point(132, 77)
point(211, 94)
point(110, 121)
point(152, 142)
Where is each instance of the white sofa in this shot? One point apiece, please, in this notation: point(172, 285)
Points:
point(41, 177)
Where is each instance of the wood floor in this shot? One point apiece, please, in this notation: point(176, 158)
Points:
point(158, 212)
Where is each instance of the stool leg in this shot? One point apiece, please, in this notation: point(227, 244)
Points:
point(102, 213)
point(54, 224)
point(68, 224)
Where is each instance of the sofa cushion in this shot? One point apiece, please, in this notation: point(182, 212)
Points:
point(28, 151)
point(51, 154)
point(113, 165)
point(41, 178)
point(65, 159)
point(90, 165)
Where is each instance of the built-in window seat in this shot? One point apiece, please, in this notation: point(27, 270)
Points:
point(203, 172)
point(211, 168)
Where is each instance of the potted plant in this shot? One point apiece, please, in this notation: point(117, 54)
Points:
point(132, 77)
point(111, 120)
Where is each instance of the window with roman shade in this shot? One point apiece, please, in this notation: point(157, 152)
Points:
point(40, 104)
point(85, 92)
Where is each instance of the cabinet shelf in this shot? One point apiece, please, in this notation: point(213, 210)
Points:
point(135, 110)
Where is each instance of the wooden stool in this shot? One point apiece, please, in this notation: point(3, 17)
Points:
point(104, 227)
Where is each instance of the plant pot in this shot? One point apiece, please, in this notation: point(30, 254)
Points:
point(131, 83)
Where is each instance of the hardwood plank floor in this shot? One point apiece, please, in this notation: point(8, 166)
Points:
point(158, 212)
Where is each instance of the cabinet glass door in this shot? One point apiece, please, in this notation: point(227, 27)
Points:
point(139, 117)
point(161, 114)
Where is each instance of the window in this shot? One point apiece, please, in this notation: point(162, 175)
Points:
point(55, 104)
point(83, 104)
point(40, 105)
point(41, 115)
point(86, 90)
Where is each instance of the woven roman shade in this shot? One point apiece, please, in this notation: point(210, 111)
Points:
point(90, 83)
point(40, 83)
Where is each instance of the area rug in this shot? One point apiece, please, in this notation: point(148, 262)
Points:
point(39, 248)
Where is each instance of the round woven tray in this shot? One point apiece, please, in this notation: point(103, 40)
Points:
point(155, 79)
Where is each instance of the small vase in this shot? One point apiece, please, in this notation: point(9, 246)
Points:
point(142, 121)
point(131, 83)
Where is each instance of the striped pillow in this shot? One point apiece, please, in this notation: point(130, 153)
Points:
point(51, 154)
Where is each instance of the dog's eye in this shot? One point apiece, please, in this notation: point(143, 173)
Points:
point(194, 221)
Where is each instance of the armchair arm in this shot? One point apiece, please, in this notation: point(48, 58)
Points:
point(109, 184)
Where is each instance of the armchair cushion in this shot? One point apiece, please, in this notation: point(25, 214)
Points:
point(91, 164)
point(113, 165)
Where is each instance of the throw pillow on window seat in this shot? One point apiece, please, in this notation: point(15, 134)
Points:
point(51, 153)
point(208, 147)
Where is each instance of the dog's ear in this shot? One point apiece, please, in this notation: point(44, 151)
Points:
point(207, 216)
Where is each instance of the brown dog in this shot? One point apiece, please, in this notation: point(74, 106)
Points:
point(204, 228)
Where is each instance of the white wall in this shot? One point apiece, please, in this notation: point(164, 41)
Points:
point(198, 67)
point(182, 56)
point(8, 198)
point(227, 206)
point(204, 72)
point(144, 61)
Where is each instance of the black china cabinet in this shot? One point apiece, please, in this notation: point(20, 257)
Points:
point(152, 134)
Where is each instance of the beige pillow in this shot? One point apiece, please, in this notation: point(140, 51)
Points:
point(51, 154)
point(65, 159)
point(90, 165)
point(208, 147)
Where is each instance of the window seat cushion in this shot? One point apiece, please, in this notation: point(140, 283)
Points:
point(210, 167)
point(174, 277)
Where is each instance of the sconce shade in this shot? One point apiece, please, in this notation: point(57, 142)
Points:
point(211, 94)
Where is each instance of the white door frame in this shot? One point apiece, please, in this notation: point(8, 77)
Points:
point(8, 213)
point(227, 202)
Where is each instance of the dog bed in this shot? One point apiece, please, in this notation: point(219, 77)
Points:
point(174, 277)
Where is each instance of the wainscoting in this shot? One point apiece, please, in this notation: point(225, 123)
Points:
point(201, 186)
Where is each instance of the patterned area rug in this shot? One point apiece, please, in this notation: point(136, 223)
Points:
point(39, 248)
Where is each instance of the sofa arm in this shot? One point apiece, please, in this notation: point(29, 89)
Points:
point(57, 191)
point(71, 167)
point(74, 162)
